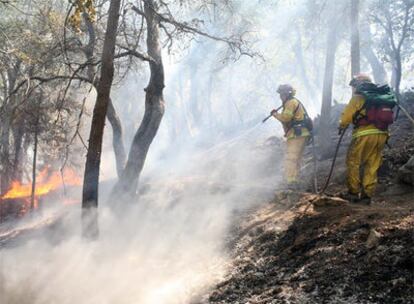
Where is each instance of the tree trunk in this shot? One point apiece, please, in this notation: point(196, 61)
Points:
point(355, 50)
point(117, 138)
point(126, 188)
point(93, 157)
point(5, 149)
point(18, 135)
point(396, 70)
point(398, 73)
point(32, 197)
point(378, 71)
point(113, 118)
point(324, 132)
point(298, 51)
point(6, 123)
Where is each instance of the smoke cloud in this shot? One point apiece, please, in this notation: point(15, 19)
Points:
point(168, 247)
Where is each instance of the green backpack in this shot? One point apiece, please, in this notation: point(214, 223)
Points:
point(379, 104)
point(377, 95)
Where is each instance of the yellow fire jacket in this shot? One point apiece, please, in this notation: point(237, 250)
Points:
point(288, 115)
point(354, 105)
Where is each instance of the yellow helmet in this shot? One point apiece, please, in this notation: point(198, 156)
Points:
point(286, 89)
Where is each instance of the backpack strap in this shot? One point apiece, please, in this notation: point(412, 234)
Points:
point(358, 116)
point(293, 122)
point(304, 109)
point(297, 108)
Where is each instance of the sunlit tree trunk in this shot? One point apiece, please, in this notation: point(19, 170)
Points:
point(93, 158)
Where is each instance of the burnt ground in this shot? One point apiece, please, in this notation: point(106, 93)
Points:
point(292, 251)
point(331, 254)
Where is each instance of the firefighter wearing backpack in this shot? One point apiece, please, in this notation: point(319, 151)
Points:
point(293, 118)
point(370, 120)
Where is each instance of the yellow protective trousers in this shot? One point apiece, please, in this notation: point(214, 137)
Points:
point(364, 152)
point(293, 159)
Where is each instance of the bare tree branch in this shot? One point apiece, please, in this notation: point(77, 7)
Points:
point(134, 53)
point(236, 45)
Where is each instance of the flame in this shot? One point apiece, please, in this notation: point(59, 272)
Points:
point(45, 183)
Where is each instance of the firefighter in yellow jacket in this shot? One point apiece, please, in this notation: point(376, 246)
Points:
point(365, 150)
point(292, 117)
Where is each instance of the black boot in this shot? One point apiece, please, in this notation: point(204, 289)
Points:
point(350, 197)
point(365, 200)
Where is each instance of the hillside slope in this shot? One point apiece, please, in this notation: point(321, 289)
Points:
point(297, 249)
point(328, 254)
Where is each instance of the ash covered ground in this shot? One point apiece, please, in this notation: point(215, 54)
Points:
point(302, 249)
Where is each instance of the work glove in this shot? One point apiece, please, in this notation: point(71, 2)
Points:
point(273, 112)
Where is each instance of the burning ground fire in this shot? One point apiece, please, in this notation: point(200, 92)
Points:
point(46, 182)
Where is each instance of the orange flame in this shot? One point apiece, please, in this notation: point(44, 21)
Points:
point(45, 183)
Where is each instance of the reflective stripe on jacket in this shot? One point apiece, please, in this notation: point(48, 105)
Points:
point(355, 104)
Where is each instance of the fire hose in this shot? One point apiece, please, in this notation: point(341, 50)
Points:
point(270, 115)
point(342, 133)
point(400, 107)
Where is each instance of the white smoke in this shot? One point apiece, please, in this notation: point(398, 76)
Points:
point(169, 247)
